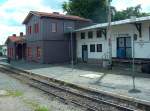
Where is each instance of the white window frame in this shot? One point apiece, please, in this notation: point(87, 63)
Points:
point(54, 27)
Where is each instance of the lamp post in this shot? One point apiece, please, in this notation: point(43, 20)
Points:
point(71, 40)
point(133, 90)
point(109, 34)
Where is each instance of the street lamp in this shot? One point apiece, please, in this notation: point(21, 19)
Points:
point(109, 33)
point(71, 38)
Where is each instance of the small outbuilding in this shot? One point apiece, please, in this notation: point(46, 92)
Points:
point(16, 47)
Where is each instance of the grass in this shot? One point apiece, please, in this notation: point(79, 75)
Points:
point(36, 106)
point(31, 103)
point(41, 108)
point(14, 93)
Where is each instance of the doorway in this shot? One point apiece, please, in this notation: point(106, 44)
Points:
point(124, 49)
point(84, 53)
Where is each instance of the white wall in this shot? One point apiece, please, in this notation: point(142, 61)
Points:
point(141, 51)
point(87, 41)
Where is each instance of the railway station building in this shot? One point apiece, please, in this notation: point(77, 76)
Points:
point(48, 39)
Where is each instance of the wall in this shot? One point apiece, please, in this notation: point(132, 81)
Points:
point(59, 35)
point(56, 51)
point(55, 45)
point(45, 31)
point(87, 41)
point(33, 46)
point(34, 36)
point(11, 45)
point(117, 31)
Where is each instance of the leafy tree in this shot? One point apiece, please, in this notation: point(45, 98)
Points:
point(91, 9)
point(131, 11)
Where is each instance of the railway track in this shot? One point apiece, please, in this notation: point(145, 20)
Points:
point(69, 93)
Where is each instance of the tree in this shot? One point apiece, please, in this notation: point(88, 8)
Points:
point(91, 9)
point(130, 11)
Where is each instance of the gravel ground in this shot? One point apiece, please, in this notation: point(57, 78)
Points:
point(17, 96)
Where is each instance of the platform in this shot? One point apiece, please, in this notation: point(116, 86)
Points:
point(117, 81)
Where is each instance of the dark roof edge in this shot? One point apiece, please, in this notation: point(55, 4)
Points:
point(65, 17)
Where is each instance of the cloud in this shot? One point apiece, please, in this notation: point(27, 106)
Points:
point(13, 12)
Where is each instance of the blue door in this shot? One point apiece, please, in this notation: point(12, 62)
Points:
point(124, 49)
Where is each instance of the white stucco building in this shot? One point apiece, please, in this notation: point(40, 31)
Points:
point(92, 42)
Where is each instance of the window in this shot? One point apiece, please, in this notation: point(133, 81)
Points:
point(99, 33)
point(29, 52)
point(38, 51)
point(9, 52)
point(29, 29)
point(12, 52)
point(36, 28)
point(99, 47)
point(54, 27)
point(90, 34)
point(92, 48)
point(82, 35)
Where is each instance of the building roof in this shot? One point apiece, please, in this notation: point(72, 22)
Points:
point(121, 22)
point(54, 15)
point(15, 39)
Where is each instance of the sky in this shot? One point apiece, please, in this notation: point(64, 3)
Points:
point(13, 12)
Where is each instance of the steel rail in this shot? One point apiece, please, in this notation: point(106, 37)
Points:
point(39, 84)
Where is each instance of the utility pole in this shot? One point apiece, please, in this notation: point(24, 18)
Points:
point(109, 33)
point(133, 90)
point(71, 44)
point(72, 62)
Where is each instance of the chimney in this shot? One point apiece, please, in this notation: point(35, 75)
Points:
point(56, 13)
point(21, 34)
point(14, 35)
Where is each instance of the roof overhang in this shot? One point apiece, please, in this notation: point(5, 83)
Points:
point(121, 22)
point(56, 16)
point(30, 14)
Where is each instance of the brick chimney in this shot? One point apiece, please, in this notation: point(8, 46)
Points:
point(21, 34)
point(57, 13)
point(14, 35)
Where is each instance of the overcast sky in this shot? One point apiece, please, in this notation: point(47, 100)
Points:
point(13, 12)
